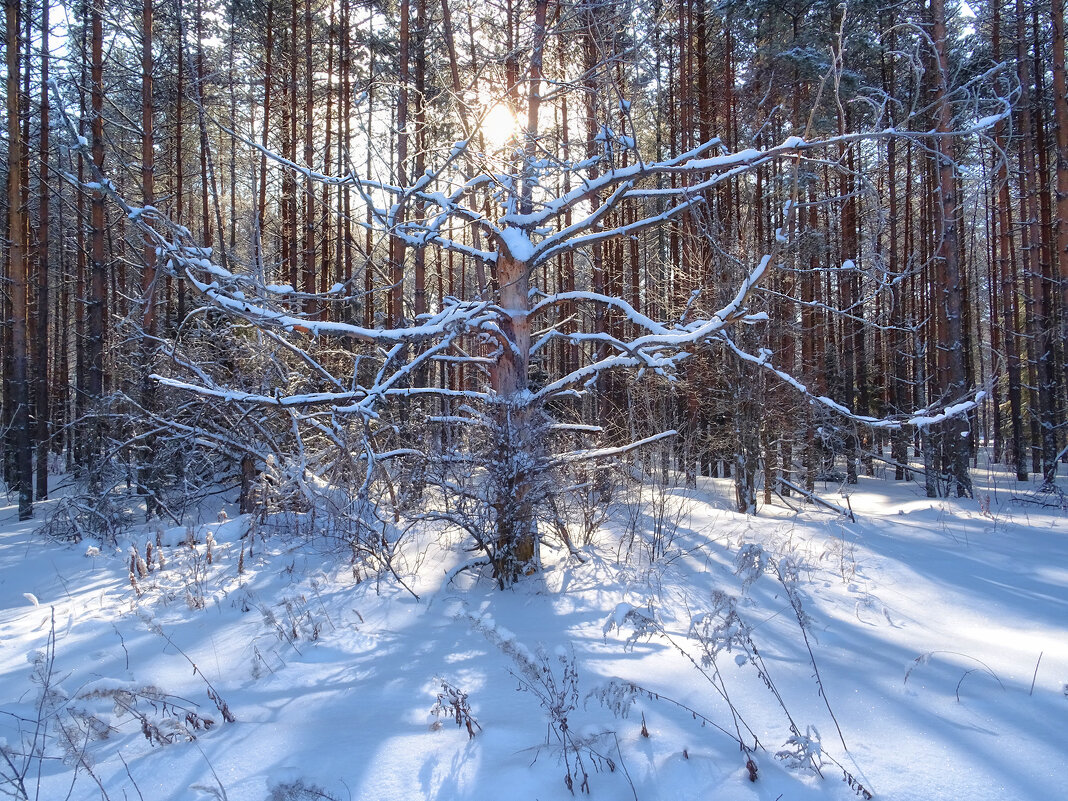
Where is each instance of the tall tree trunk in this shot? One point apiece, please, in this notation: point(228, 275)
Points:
point(1031, 241)
point(1060, 117)
point(308, 258)
point(63, 442)
point(148, 275)
point(343, 161)
point(326, 270)
point(950, 283)
point(395, 310)
point(517, 434)
point(78, 455)
point(290, 225)
point(994, 329)
point(99, 268)
point(18, 235)
point(42, 401)
point(261, 202)
point(419, 267)
point(209, 185)
point(1009, 313)
point(1048, 352)
point(179, 169)
point(368, 270)
point(896, 344)
point(232, 211)
point(514, 550)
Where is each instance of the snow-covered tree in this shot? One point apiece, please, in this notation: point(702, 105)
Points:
point(510, 212)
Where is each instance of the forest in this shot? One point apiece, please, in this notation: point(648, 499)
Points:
point(363, 246)
point(414, 282)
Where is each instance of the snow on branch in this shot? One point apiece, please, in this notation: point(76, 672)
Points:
point(604, 453)
point(451, 194)
point(659, 350)
point(453, 318)
point(922, 418)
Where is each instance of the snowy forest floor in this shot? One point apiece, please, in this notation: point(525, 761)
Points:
point(938, 631)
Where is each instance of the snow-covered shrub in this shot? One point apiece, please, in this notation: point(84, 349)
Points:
point(296, 622)
point(452, 703)
point(164, 719)
point(299, 790)
point(59, 729)
point(641, 623)
point(581, 506)
point(653, 517)
point(84, 515)
point(723, 629)
point(803, 751)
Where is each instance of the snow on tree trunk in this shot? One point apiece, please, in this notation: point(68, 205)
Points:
point(514, 461)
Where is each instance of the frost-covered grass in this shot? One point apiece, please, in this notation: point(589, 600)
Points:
point(919, 653)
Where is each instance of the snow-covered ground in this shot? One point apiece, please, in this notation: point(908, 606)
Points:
point(937, 630)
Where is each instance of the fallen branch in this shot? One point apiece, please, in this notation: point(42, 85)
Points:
point(816, 499)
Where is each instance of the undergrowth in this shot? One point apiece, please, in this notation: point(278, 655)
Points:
point(553, 680)
point(721, 630)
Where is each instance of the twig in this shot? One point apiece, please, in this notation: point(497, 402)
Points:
point(623, 765)
point(795, 602)
point(123, 760)
point(213, 694)
point(1035, 677)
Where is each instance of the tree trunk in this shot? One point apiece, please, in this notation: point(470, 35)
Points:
point(99, 268)
point(1038, 326)
point(954, 382)
point(18, 235)
point(81, 366)
point(1060, 117)
point(1009, 312)
point(512, 461)
point(42, 400)
point(514, 464)
point(261, 201)
point(396, 244)
point(148, 276)
point(308, 247)
point(178, 158)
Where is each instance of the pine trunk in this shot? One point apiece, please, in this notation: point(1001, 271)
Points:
point(41, 403)
point(950, 283)
point(98, 266)
point(18, 235)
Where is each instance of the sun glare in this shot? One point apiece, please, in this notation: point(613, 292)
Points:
point(499, 126)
